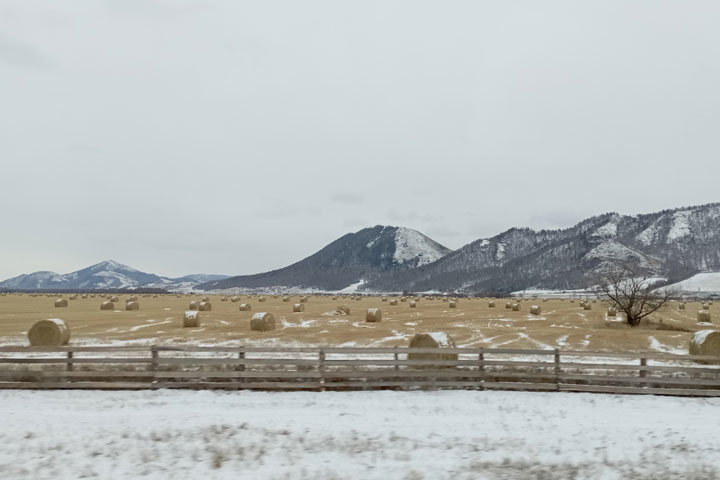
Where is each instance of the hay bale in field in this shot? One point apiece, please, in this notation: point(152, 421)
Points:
point(49, 333)
point(107, 306)
point(205, 307)
point(261, 299)
point(223, 299)
point(393, 302)
point(706, 306)
point(112, 299)
point(344, 309)
point(612, 312)
point(357, 299)
point(132, 306)
point(705, 342)
point(83, 296)
point(132, 298)
point(191, 319)
point(444, 299)
point(286, 299)
point(61, 303)
point(535, 310)
point(234, 299)
point(432, 340)
point(588, 306)
point(205, 299)
point(262, 322)
point(515, 307)
point(335, 297)
point(373, 315)
point(491, 304)
point(452, 304)
point(383, 299)
point(194, 305)
point(73, 297)
point(403, 299)
point(245, 307)
point(413, 304)
point(508, 305)
point(298, 307)
point(303, 299)
point(704, 316)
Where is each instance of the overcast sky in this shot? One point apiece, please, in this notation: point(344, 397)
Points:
point(240, 136)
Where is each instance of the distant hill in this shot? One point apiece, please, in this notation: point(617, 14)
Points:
point(107, 275)
point(352, 260)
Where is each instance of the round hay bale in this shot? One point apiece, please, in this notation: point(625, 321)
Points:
point(262, 322)
point(132, 306)
point(335, 297)
point(73, 296)
point(223, 299)
point(373, 315)
point(234, 299)
point(612, 312)
point(705, 342)
point(83, 296)
point(194, 305)
point(261, 299)
point(588, 306)
point(205, 299)
point(403, 299)
point(286, 299)
point(704, 316)
point(107, 306)
point(452, 304)
point(491, 304)
point(681, 306)
point(393, 302)
point(515, 307)
point(112, 299)
point(298, 307)
point(245, 307)
point(303, 299)
point(706, 306)
point(191, 319)
point(344, 309)
point(432, 340)
point(508, 305)
point(49, 333)
point(205, 307)
point(535, 310)
point(132, 298)
point(383, 299)
point(61, 303)
point(412, 304)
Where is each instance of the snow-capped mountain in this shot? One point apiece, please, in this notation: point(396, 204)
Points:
point(354, 259)
point(107, 275)
point(674, 244)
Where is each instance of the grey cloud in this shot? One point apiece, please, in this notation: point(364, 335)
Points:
point(22, 54)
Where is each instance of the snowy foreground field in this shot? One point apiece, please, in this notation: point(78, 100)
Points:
point(364, 435)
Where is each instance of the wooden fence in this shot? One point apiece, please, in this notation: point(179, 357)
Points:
point(240, 368)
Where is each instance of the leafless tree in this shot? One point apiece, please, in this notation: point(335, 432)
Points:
point(632, 292)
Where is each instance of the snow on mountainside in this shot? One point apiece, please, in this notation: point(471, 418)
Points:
point(674, 244)
point(349, 262)
point(702, 282)
point(107, 275)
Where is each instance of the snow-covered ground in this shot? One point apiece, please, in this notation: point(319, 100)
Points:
point(702, 282)
point(368, 435)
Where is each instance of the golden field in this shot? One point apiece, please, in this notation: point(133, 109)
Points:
point(561, 324)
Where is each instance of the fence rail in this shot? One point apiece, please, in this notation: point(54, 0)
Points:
point(356, 368)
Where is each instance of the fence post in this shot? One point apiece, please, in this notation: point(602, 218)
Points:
point(397, 358)
point(70, 365)
point(154, 364)
point(321, 369)
point(557, 368)
point(481, 368)
point(643, 372)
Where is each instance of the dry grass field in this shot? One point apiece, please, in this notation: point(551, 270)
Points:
point(562, 323)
